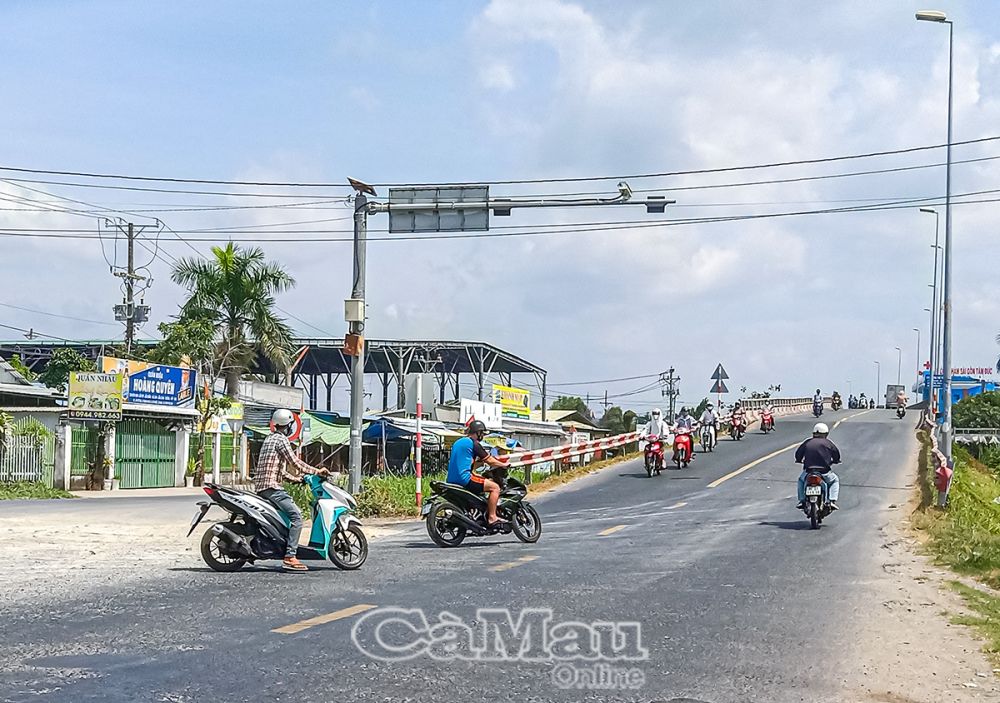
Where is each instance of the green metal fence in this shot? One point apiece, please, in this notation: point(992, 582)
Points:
point(225, 453)
point(83, 450)
point(145, 454)
point(28, 453)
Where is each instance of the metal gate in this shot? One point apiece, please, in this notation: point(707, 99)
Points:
point(83, 452)
point(145, 454)
point(28, 453)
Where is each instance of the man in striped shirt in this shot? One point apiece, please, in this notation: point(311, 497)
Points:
point(268, 480)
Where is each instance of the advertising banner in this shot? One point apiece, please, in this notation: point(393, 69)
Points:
point(153, 384)
point(515, 402)
point(95, 396)
point(489, 413)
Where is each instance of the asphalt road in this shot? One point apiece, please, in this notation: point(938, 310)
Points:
point(736, 599)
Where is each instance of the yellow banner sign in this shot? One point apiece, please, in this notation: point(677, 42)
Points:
point(515, 402)
point(95, 396)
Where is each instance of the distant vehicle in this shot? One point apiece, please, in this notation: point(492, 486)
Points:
point(891, 392)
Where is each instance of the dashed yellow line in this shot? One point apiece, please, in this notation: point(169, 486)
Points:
point(677, 505)
point(297, 627)
point(837, 423)
point(512, 564)
point(734, 474)
point(611, 530)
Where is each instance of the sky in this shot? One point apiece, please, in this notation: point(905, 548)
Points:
point(405, 92)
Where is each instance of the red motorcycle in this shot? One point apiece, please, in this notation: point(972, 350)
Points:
point(683, 444)
point(654, 455)
point(766, 422)
point(737, 426)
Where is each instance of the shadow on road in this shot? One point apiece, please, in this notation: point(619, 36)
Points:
point(796, 525)
point(431, 545)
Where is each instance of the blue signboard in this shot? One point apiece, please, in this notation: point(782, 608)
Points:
point(161, 385)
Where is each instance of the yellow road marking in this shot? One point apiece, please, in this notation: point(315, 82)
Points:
point(677, 505)
point(512, 564)
point(297, 627)
point(611, 530)
point(749, 466)
point(837, 423)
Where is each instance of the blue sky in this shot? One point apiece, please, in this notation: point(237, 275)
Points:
point(406, 91)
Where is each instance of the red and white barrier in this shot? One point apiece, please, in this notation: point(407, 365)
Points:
point(565, 451)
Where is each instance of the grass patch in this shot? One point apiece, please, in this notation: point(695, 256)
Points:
point(566, 475)
point(27, 490)
point(985, 616)
point(966, 536)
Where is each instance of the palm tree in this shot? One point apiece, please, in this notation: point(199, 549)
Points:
point(235, 290)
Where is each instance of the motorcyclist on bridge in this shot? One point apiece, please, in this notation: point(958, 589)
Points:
point(684, 421)
point(818, 454)
point(657, 426)
point(464, 453)
point(738, 418)
point(710, 420)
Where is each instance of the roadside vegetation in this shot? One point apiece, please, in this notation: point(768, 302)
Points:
point(966, 536)
point(24, 490)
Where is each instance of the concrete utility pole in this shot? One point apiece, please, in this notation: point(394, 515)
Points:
point(128, 312)
point(356, 318)
point(671, 391)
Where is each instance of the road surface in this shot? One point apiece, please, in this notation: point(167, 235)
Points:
point(735, 600)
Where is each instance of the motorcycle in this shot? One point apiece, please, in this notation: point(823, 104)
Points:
point(836, 404)
point(817, 409)
point(766, 422)
point(736, 428)
point(901, 412)
point(708, 437)
point(452, 512)
point(653, 456)
point(257, 530)
point(817, 505)
point(682, 447)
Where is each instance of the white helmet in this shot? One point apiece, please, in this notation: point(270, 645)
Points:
point(282, 417)
point(821, 428)
point(656, 411)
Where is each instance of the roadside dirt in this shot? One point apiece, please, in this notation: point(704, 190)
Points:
point(58, 555)
point(909, 651)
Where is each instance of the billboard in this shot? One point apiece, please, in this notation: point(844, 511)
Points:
point(514, 402)
point(95, 396)
point(489, 413)
point(152, 384)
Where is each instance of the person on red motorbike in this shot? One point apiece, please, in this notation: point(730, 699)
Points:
point(684, 422)
point(738, 417)
point(657, 426)
point(769, 411)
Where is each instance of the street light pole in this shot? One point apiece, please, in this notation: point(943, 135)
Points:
point(946, 429)
point(917, 358)
point(357, 328)
point(935, 312)
point(878, 381)
point(899, 365)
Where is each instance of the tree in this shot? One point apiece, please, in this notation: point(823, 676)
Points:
point(571, 402)
point(235, 291)
point(19, 366)
point(629, 419)
point(613, 420)
point(702, 406)
point(59, 366)
point(193, 341)
point(981, 411)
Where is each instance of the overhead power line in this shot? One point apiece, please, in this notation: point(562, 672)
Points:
point(53, 314)
point(565, 179)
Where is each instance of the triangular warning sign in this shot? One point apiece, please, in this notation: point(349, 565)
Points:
point(720, 373)
point(719, 387)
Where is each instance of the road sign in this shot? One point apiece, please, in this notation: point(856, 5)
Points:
point(719, 386)
point(462, 209)
point(720, 374)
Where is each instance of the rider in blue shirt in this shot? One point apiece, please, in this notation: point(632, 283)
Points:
point(464, 453)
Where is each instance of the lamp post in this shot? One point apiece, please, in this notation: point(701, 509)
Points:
point(878, 381)
point(899, 365)
point(935, 311)
point(917, 357)
point(946, 430)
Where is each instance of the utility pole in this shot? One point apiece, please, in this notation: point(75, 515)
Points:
point(606, 404)
point(355, 314)
point(128, 312)
point(671, 392)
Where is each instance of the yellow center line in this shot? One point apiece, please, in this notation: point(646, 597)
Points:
point(297, 627)
point(837, 423)
point(677, 505)
point(611, 530)
point(512, 564)
point(749, 466)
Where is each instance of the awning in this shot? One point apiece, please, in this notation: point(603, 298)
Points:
point(405, 428)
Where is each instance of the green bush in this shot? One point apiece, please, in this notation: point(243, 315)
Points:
point(978, 411)
point(22, 490)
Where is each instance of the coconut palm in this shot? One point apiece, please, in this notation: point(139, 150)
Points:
point(235, 289)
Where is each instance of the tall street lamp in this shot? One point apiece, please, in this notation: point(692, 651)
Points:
point(917, 357)
point(878, 380)
point(946, 429)
point(935, 311)
point(899, 365)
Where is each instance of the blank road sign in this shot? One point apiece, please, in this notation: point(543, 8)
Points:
point(444, 219)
